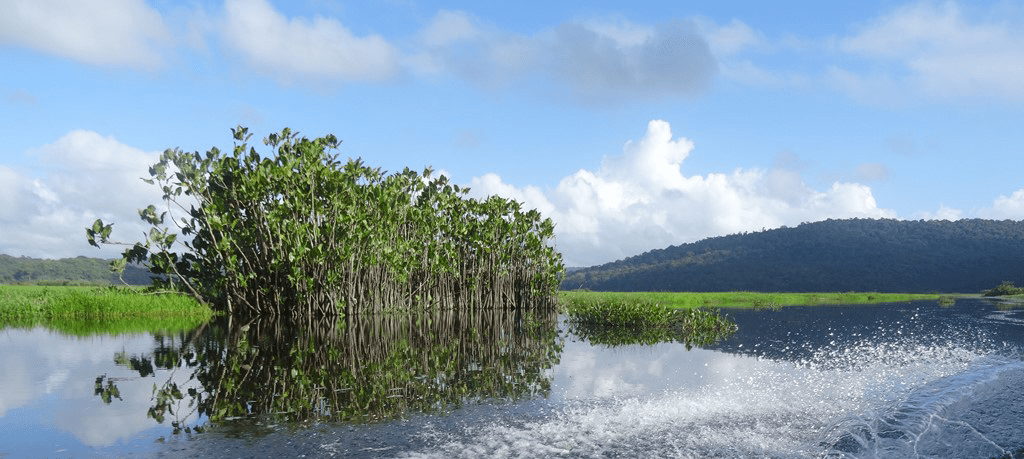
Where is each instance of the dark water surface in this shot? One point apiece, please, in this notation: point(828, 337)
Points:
point(890, 381)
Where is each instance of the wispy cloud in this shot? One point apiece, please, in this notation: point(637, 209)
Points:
point(936, 52)
point(119, 33)
point(293, 49)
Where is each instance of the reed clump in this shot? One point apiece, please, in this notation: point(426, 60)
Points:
point(92, 310)
point(621, 321)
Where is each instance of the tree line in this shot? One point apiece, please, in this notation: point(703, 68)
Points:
point(66, 271)
point(884, 255)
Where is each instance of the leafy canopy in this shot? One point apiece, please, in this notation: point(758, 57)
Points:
point(298, 232)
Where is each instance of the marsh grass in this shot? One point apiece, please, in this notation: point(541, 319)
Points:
point(622, 321)
point(91, 310)
point(755, 300)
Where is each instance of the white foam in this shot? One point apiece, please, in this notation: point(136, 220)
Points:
point(814, 408)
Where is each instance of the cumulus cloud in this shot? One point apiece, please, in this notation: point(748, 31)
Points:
point(935, 51)
point(640, 200)
point(80, 177)
point(1006, 207)
point(317, 49)
point(103, 32)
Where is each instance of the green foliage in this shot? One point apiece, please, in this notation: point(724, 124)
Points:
point(622, 321)
point(94, 310)
point(881, 255)
point(1006, 288)
point(300, 233)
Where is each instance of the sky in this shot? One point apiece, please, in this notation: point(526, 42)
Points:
point(633, 126)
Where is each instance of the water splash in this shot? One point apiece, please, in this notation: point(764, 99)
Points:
point(900, 398)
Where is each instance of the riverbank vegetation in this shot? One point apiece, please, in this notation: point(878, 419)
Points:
point(299, 233)
point(66, 271)
point(692, 318)
point(1006, 288)
point(616, 321)
point(91, 310)
point(742, 299)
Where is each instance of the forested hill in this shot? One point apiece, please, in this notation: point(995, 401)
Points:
point(964, 256)
point(80, 270)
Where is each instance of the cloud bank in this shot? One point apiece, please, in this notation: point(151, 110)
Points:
point(640, 200)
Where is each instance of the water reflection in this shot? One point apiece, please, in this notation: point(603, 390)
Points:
point(367, 368)
point(827, 381)
point(48, 400)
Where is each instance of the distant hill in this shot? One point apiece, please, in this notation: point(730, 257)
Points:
point(964, 256)
point(80, 270)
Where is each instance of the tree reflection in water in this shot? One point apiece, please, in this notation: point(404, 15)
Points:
point(363, 368)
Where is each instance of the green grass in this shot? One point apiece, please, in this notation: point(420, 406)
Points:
point(690, 300)
point(623, 320)
point(91, 310)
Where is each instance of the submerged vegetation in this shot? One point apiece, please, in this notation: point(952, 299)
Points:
point(91, 310)
point(301, 234)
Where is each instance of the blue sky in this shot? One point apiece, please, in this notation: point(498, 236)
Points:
point(633, 126)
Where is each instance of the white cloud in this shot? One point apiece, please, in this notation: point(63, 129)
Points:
point(102, 32)
point(1006, 207)
point(944, 213)
point(935, 51)
point(82, 176)
point(640, 200)
point(316, 49)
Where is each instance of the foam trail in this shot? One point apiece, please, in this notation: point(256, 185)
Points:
point(889, 400)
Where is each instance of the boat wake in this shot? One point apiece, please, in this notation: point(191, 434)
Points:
point(892, 400)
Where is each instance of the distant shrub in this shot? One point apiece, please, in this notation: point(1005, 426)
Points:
point(1003, 289)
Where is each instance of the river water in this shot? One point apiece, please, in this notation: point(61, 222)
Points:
point(895, 380)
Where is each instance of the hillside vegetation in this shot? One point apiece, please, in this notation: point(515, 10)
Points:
point(886, 255)
point(79, 270)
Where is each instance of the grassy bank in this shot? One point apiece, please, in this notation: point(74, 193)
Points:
point(692, 300)
point(90, 310)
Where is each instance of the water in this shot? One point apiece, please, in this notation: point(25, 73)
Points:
point(886, 381)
